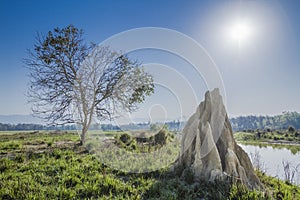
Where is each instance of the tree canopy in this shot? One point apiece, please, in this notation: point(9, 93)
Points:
point(72, 82)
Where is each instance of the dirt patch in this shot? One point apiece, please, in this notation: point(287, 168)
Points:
point(42, 148)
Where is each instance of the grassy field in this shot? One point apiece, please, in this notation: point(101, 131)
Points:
point(52, 165)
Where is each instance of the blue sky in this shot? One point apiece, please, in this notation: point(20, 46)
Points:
point(260, 73)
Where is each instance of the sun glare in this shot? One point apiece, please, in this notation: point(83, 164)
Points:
point(240, 32)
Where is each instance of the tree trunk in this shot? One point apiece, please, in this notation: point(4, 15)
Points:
point(82, 136)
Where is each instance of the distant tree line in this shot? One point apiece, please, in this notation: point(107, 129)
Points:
point(172, 125)
point(34, 127)
point(278, 122)
point(31, 127)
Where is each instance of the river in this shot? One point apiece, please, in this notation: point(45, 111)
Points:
point(270, 160)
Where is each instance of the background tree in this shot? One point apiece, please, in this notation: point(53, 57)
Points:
point(68, 76)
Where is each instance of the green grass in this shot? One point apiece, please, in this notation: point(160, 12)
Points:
point(13, 132)
point(65, 175)
point(54, 169)
point(271, 136)
point(243, 136)
point(128, 154)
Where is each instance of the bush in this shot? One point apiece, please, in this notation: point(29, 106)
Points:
point(161, 137)
point(270, 137)
point(291, 129)
point(125, 138)
point(49, 144)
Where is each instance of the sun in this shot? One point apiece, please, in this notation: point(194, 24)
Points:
point(240, 31)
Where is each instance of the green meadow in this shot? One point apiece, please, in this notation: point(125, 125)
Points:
point(52, 165)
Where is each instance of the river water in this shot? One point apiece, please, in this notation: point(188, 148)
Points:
point(270, 160)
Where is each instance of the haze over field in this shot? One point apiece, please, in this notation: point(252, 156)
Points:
point(254, 45)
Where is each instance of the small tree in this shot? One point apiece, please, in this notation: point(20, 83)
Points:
point(93, 81)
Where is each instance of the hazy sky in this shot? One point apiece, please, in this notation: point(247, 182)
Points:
point(254, 44)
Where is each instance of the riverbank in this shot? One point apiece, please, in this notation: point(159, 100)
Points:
point(280, 137)
point(252, 139)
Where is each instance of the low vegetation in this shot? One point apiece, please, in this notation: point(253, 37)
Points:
point(134, 151)
point(146, 143)
point(278, 139)
point(290, 135)
point(52, 165)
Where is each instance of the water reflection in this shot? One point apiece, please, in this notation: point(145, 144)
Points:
point(272, 158)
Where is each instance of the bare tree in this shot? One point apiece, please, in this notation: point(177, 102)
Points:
point(94, 81)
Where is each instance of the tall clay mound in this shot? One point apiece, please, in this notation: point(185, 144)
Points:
point(209, 150)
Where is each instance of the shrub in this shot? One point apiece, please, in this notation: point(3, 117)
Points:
point(161, 137)
point(291, 129)
point(125, 138)
point(270, 137)
point(49, 144)
point(268, 129)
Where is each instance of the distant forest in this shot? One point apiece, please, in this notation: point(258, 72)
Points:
point(278, 122)
point(31, 127)
point(172, 125)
